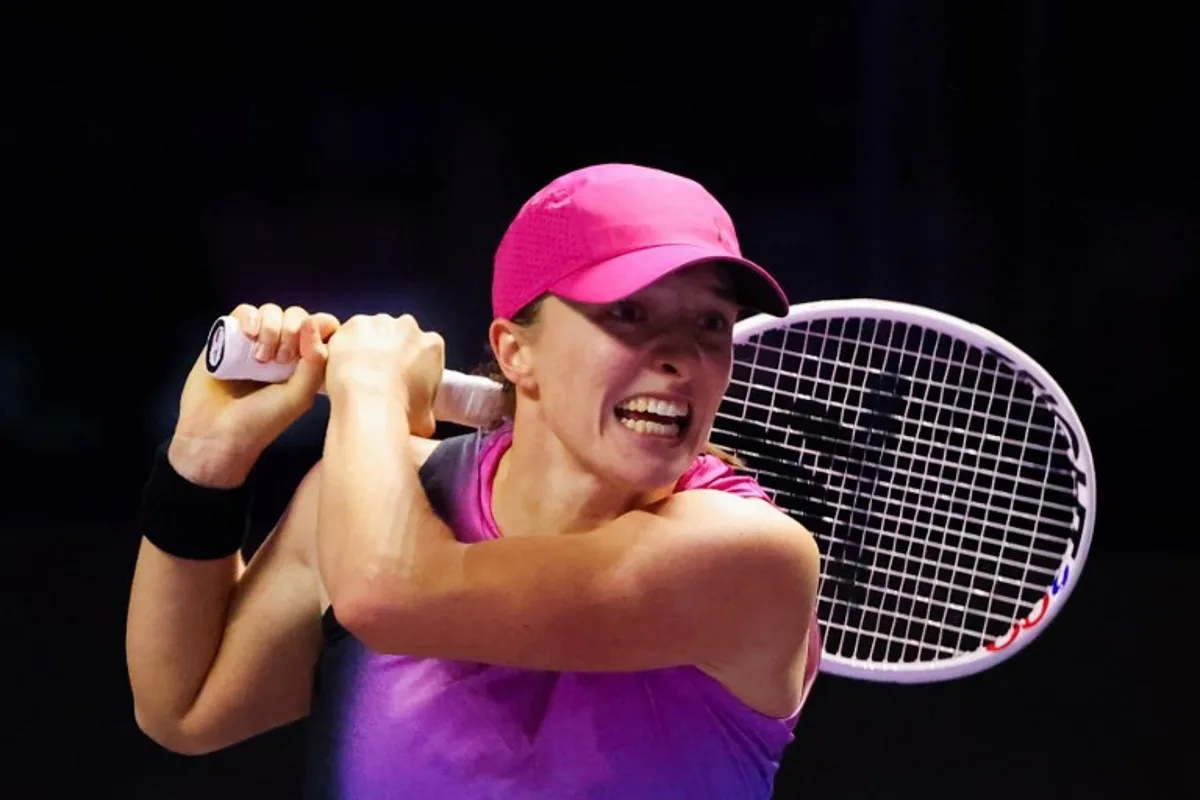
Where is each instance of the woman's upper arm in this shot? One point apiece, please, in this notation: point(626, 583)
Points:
point(261, 677)
point(707, 578)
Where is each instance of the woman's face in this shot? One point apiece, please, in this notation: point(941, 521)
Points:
point(631, 388)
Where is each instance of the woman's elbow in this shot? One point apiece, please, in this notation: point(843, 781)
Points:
point(387, 605)
point(379, 618)
point(171, 734)
point(370, 619)
point(163, 732)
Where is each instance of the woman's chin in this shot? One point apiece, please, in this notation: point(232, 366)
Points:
point(650, 461)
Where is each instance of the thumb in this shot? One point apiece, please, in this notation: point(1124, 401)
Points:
point(310, 370)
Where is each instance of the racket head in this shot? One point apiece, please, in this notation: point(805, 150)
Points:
point(940, 396)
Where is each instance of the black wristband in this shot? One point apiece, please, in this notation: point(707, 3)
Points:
point(190, 521)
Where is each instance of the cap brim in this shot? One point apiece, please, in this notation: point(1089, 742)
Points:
point(628, 273)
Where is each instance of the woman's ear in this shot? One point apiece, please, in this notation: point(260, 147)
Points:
point(512, 347)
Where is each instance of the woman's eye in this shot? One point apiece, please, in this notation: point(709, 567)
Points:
point(626, 312)
point(716, 322)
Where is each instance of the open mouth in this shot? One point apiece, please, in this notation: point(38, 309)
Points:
point(650, 416)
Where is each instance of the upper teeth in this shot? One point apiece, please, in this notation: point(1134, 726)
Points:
point(662, 408)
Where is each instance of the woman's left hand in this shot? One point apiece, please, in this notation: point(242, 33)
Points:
point(392, 354)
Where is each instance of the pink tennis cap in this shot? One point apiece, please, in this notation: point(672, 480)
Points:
point(601, 233)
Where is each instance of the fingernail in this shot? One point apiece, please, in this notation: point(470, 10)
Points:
point(284, 355)
point(260, 351)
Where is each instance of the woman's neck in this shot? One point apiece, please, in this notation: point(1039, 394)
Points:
point(540, 488)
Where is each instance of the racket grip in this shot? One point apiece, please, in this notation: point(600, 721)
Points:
point(470, 400)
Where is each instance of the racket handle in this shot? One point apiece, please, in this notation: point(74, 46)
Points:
point(471, 400)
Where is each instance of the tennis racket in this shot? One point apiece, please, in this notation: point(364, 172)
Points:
point(944, 473)
point(469, 400)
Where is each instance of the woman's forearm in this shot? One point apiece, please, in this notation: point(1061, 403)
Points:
point(176, 619)
point(177, 613)
point(377, 535)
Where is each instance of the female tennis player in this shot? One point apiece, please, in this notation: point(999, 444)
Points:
point(585, 600)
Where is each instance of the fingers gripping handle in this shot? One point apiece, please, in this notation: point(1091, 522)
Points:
point(228, 356)
point(471, 400)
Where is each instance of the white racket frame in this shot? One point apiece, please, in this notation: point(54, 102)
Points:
point(472, 401)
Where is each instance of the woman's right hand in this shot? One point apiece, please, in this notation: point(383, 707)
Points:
point(224, 426)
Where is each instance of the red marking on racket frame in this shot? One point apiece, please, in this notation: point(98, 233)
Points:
point(1040, 608)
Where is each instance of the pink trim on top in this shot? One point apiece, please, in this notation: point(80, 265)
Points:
point(495, 446)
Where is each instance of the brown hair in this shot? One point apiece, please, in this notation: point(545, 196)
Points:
point(527, 316)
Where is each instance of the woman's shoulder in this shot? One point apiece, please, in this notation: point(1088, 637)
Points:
point(474, 444)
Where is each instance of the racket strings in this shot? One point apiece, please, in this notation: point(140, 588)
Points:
point(957, 555)
point(963, 614)
point(898, 613)
point(916, 432)
point(930, 566)
point(939, 485)
point(779, 482)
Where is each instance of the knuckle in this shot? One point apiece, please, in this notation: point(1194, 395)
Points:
point(293, 318)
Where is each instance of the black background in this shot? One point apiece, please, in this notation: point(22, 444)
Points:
point(1029, 166)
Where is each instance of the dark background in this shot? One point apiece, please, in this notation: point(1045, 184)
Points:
point(1029, 166)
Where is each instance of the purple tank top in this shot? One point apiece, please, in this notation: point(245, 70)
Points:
point(384, 727)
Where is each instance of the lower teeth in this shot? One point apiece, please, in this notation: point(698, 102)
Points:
point(653, 428)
